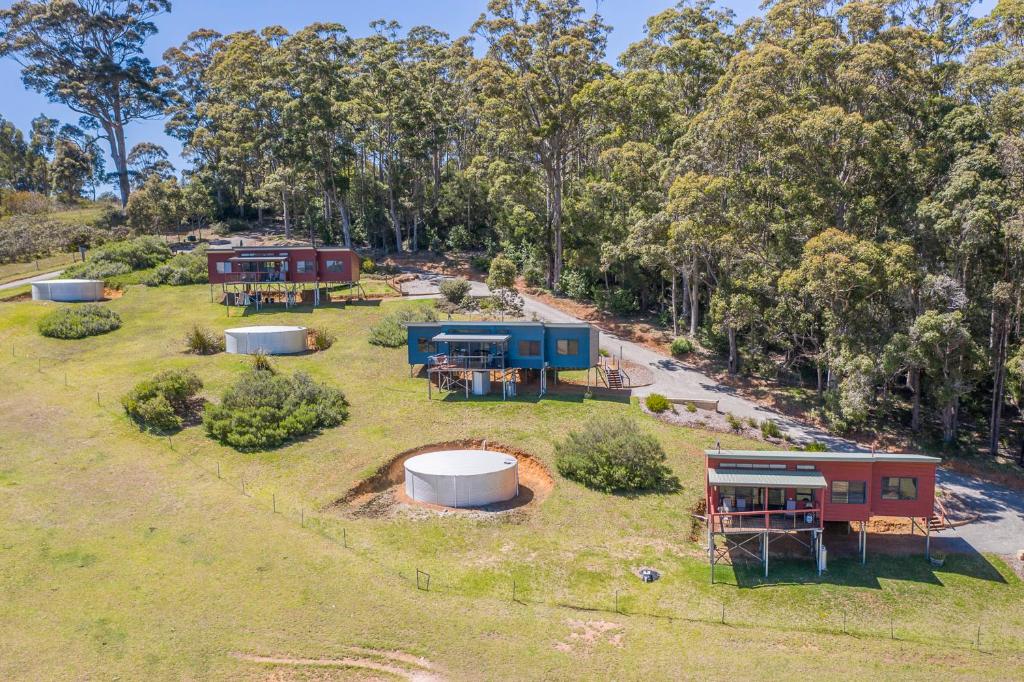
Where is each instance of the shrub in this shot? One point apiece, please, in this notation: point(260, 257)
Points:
point(815, 446)
point(533, 274)
point(657, 403)
point(159, 404)
point(681, 346)
point(574, 284)
point(368, 266)
point(118, 258)
point(691, 408)
point(455, 290)
point(770, 429)
point(264, 410)
point(613, 456)
point(390, 331)
point(501, 274)
point(261, 362)
point(24, 237)
point(480, 263)
point(322, 338)
point(735, 423)
point(26, 203)
point(78, 322)
point(184, 268)
point(202, 341)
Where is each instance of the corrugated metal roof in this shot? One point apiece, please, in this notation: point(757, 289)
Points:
point(767, 478)
point(804, 456)
point(471, 338)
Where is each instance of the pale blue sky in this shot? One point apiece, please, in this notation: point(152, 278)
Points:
point(626, 17)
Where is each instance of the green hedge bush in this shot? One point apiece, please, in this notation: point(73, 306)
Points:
point(184, 268)
point(161, 403)
point(613, 456)
point(264, 410)
point(657, 403)
point(681, 346)
point(119, 258)
point(455, 290)
point(78, 322)
point(391, 333)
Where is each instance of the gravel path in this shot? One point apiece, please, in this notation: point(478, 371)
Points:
point(29, 280)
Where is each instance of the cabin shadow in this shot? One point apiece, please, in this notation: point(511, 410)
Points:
point(787, 566)
point(300, 308)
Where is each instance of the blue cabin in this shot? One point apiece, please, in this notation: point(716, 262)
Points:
point(511, 345)
point(470, 356)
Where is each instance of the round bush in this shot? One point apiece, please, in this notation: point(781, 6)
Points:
point(613, 456)
point(78, 322)
point(681, 346)
point(390, 332)
point(455, 290)
point(657, 403)
point(264, 410)
point(160, 403)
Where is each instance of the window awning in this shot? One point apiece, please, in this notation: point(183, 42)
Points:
point(471, 338)
point(258, 258)
point(766, 478)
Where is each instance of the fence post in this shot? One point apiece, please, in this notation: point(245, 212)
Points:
point(617, 602)
point(302, 518)
point(892, 628)
point(218, 468)
point(723, 613)
point(977, 640)
point(513, 590)
point(344, 538)
point(242, 476)
point(273, 502)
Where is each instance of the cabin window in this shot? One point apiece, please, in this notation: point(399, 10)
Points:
point(335, 266)
point(849, 492)
point(425, 345)
point(805, 467)
point(223, 267)
point(567, 347)
point(899, 488)
point(805, 495)
point(304, 266)
point(529, 348)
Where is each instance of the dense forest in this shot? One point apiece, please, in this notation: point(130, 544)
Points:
point(830, 191)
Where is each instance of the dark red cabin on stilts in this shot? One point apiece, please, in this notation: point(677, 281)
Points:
point(758, 495)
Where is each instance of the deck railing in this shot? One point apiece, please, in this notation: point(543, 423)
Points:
point(254, 277)
point(760, 519)
point(467, 362)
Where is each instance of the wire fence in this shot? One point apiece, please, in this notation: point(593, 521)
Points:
point(970, 631)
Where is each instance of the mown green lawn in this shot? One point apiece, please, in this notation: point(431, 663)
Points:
point(123, 554)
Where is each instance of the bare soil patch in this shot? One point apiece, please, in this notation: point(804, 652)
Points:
point(383, 495)
point(392, 663)
point(585, 634)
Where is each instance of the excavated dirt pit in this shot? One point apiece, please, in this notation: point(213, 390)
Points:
point(383, 494)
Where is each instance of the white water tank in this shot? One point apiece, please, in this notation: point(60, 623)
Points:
point(481, 383)
point(462, 478)
point(67, 290)
point(272, 340)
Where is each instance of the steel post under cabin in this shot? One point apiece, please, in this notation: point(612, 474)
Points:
point(771, 496)
point(504, 352)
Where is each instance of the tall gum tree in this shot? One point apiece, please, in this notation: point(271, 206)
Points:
point(540, 55)
point(87, 55)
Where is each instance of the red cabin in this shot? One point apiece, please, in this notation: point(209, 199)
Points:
point(255, 273)
point(761, 494)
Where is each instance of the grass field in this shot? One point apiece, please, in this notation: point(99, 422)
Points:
point(127, 555)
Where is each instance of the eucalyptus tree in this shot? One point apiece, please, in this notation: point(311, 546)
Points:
point(540, 55)
point(88, 56)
